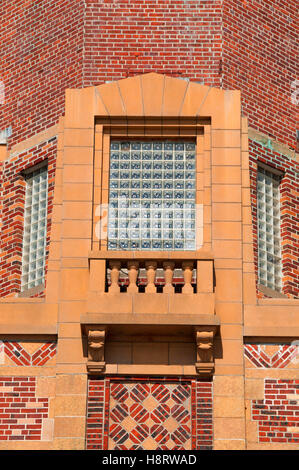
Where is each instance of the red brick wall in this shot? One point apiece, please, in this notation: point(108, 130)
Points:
point(21, 412)
point(99, 427)
point(179, 38)
point(260, 57)
point(41, 55)
point(248, 45)
point(289, 212)
point(12, 193)
point(277, 415)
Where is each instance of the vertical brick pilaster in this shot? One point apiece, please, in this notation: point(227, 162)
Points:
point(204, 415)
point(95, 418)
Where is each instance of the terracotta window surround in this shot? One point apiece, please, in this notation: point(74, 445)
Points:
point(145, 129)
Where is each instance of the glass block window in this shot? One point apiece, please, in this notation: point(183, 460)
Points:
point(35, 228)
point(268, 213)
point(152, 195)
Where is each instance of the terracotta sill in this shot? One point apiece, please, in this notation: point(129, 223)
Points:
point(189, 255)
point(141, 303)
point(271, 331)
point(33, 291)
point(148, 319)
point(270, 293)
point(21, 300)
point(150, 369)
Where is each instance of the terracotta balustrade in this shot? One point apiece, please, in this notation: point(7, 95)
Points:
point(135, 276)
point(151, 273)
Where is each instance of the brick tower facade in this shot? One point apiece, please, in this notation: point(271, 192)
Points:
point(118, 332)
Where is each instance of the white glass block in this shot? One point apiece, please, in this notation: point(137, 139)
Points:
point(158, 179)
point(32, 276)
point(268, 214)
point(134, 245)
point(35, 223)
point(190, 245)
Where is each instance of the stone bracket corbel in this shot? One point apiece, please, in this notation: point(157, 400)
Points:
point(204, 337)
point(96, 350)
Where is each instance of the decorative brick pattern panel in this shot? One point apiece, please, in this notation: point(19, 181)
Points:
point(21, 357)
point(12, 196)
point(141, 414)
point(258, 356)
point(288, 210)
point(147, 415)
point(21, 412)
point(278, 414)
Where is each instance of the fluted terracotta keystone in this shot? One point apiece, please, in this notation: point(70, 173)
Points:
point(187, 267)
point(151, 267)
point(133, 275)
point(115, 267)
point(168, 274)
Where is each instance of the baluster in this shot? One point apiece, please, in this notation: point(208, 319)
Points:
point(151, 267)
point(187, 267)
point(133, 274)
point(115, 267)
point(168, 274)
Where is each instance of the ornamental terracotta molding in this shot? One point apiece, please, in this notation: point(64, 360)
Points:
point(96, 350)
point(205, 351)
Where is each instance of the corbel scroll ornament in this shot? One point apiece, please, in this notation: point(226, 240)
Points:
point(205, 351)
point(96, 350)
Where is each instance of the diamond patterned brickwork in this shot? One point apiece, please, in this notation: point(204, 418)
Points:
point(278, 414)
point(149, 414)
point(21, 412)
point(274, 356)
point(154, 416)
point(19, 354)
